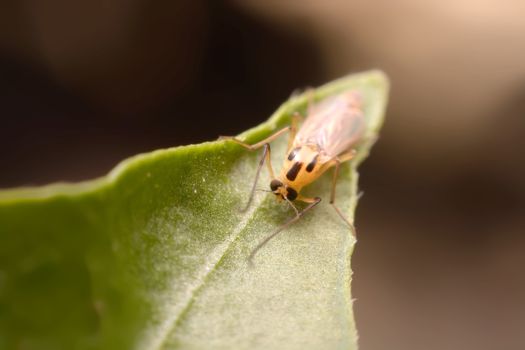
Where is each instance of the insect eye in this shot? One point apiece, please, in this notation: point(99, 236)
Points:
point(292, 194)
point(275, 184)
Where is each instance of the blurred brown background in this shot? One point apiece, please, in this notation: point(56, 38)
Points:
point(441, 252)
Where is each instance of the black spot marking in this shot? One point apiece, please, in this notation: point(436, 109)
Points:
point(312, 164)
point(293, 153)
point(292, 194)
point(275, 184)
point(294, 171)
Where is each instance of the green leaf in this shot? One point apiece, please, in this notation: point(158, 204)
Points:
point(153, 255)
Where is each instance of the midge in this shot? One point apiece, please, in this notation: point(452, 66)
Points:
point(326, 139)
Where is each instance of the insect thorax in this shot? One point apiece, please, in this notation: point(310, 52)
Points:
point(303, 164)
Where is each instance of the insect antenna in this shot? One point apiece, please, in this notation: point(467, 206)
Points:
point(280, 229)
point(263, 190)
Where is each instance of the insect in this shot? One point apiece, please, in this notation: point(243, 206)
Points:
point(326, 138)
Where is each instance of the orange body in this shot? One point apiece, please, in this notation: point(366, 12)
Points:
point(327, 136)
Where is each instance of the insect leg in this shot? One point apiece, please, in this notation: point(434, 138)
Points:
point(296, 119)
point(266, 156)
point(308, 199)
point(337, 163)
point(313, 202)
point(310, 96)
point(259, 144)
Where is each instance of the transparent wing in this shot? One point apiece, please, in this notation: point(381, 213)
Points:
point(335, 124)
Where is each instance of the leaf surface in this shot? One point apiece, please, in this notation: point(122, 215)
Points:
point(153, 255)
